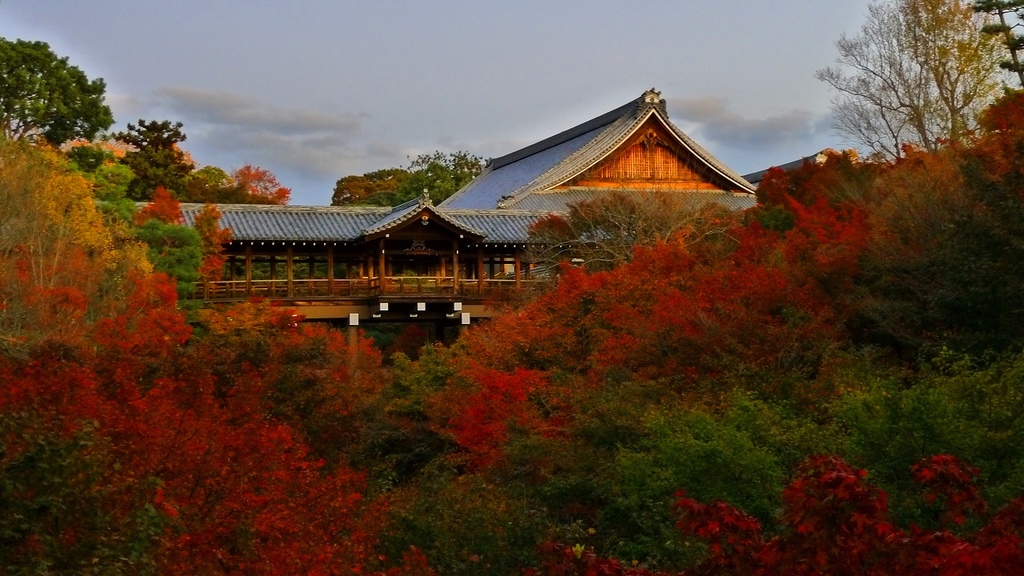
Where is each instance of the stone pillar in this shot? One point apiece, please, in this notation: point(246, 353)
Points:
point(353, 344)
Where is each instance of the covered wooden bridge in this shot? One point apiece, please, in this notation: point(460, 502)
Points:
point(410, 262)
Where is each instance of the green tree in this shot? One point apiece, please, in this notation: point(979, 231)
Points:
point(440, 174)
point(919, 72)
point(109, 178)
point(1011, 16)
point(41, 95)
point(356, 189)
point(174, 249)
point(156, 158)
point(214, 185)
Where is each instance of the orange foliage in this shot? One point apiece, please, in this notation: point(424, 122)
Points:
point(164, 208)
point(115, 147)
point(262, 185)
point(212, 239)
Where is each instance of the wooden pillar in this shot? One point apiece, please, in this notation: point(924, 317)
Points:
point(248, 271)
point(311, 262)
point(381, 263)
point(288, 269)
point(480, 270)
point(455, 266)
point(330, 270)
point(273, 273)
point(519, 264)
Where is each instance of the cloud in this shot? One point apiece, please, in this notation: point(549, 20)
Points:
point(234, 130)
point(715, 122)
point(223, 109)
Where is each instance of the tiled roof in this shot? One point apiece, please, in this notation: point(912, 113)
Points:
point(756, 177)
point(293, 223)
point(253, 222)
point(512, 179)
point(403, 212)
point(498, 226)
point(494, 183)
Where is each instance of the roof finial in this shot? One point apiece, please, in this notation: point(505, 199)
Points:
point(652, 96)
point(425, 198)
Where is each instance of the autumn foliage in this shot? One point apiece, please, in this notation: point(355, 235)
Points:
point(131, 443)
point(828, 383)
point(261, 185)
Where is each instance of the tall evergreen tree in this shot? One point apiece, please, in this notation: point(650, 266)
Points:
point(1011, 17)
point(156, 158)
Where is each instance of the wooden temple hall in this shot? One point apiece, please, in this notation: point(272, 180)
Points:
point(450, 263)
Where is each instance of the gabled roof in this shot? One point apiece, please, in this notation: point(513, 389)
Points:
point(413, 209)
point(507, 182)
point(256, 222)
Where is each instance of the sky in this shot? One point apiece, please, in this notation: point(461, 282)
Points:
point(314, 90)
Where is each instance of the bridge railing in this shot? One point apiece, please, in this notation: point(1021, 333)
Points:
point(349, 288)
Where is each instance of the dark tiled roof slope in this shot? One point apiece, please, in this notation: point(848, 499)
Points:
point(292, 223)
point(756, 177)
point(498, 226)
point(493, 184)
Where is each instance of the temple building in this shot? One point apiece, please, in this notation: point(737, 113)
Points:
point(448, 263)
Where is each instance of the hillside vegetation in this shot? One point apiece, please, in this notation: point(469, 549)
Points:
point(832, 382)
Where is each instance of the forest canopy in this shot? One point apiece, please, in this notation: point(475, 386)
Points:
point(831, 382)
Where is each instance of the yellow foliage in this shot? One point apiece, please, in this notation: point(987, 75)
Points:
point(54, 244)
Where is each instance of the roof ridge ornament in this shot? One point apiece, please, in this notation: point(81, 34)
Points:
point(653, 98)
point(425, 198)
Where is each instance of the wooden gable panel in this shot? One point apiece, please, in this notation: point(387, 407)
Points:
point(650, 159)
